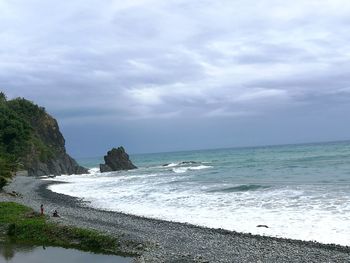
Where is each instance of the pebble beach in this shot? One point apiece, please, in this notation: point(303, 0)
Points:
point(163, 241)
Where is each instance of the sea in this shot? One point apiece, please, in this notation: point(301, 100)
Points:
point(298, 191)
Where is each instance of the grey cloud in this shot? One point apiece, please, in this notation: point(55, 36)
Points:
point(110, 61)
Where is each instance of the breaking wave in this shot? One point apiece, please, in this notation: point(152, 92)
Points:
point(181, 170)
point(240, 188)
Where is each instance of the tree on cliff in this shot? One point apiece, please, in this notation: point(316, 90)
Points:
point(30, 139)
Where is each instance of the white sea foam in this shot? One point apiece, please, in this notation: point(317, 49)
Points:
point(181, 170)
point(303, 212)
point(200, 167)
point(94, 170)
point(171, 164)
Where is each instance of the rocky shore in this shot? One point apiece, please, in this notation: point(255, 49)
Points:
point(162, 241)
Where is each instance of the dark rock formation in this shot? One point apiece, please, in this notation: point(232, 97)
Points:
point(116, 160)
point(265, 226)
point(62, 163)
point(105, 168)
point(57, 161)
point(46, 154)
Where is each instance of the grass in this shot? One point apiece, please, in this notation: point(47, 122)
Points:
point(21, 224)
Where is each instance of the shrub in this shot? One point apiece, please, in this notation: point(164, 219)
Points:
point(3, 182)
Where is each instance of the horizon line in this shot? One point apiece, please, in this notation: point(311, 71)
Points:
point(229, 147)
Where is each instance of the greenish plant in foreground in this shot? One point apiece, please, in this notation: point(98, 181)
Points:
point(23, 225)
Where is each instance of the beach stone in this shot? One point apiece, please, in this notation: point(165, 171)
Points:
point(139, 246)
point(116, 160)
point(140, 259)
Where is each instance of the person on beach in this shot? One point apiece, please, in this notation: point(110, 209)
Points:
point(42, 209)
point(55, 214)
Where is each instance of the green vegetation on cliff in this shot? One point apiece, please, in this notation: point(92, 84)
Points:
point(30, 139)
point(18, 132)
point(15, 138)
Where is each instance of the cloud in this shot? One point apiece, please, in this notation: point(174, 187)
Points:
point(155, 59)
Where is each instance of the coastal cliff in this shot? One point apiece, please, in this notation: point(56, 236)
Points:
point(30, 139)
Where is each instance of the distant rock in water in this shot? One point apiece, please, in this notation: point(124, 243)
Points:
point(181, 163)
point(265, 226)
point(116, 160)
point(189, 162)
point(105, 168)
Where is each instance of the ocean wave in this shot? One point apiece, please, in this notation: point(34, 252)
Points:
point(180, 170)
point(183, 163)
point(200, 167)
point(94, 170)
point(170, 164)
point(240, 188)
point(307, 200)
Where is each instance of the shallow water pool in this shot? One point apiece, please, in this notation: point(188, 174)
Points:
point(16, 253)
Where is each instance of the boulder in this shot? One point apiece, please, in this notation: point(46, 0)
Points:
point(116, 160)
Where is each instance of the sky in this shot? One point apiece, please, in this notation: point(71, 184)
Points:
point(155, 75)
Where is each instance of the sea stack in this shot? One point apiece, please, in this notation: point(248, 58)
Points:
point(116, 160)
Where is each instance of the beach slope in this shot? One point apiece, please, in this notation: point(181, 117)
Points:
point(162, 241)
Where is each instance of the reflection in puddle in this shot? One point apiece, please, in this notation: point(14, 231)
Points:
point(16, 253)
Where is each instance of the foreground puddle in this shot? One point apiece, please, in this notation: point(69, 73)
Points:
point(15, 253)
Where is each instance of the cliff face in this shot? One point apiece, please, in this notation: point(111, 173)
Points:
point(31, 137)
point(60, 164)
point(57, 160)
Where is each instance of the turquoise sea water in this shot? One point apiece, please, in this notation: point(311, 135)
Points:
point(299, 191)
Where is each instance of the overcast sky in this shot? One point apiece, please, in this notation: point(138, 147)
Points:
point(164, 75)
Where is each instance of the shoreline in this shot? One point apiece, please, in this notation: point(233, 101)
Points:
point(80, 202)
point(166, 241)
